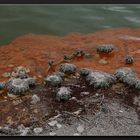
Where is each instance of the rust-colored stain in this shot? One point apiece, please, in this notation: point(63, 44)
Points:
point(34, 51)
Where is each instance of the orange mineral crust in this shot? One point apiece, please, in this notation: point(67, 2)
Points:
point(34, 51)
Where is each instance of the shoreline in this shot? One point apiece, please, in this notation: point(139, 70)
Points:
point(34, 51)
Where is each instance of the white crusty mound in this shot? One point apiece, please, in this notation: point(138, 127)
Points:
point(17, 86)
point(99, 79)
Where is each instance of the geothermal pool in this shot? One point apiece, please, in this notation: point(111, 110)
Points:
point(17, 20)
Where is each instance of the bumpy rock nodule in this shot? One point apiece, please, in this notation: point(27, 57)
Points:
point(98, 79)
point(17, 86)
point(129, 59)
point(63, 93)
point(68, 68)
point(84, 71)
point(128, 76)
point(105, 48)
point(53, 80)
point(121, 73)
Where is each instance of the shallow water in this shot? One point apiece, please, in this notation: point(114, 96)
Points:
point(17, 20)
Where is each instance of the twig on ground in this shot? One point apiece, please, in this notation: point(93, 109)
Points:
point(102, 100)
point(55, 117)
point(76, 114)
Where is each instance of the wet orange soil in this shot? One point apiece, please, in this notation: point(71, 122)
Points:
point(34, 51)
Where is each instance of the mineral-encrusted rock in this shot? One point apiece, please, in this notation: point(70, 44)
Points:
point(67, 57)
point(123, 72)
point(79, 52)
point(17, 86)
point(132, 81)
point(64, 93)
point(68, 68)
point(2, 85)
point(105, 48)
point(129, 59)
point(53, 80)
point(128, 77)
point(84, 71)
point(98, 79)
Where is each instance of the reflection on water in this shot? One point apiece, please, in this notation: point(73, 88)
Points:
point(17, 20)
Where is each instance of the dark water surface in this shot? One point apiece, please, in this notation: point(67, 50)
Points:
point(17, 20)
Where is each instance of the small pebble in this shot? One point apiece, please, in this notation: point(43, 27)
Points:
point(10, 65)
point(52, 123)
point(52, 133)
point(84, 93)
point(35, 111)
point(97, 94)
point(80, 128)
point(58, 125)
point(38, 130)
point(120, 111)
point(24, 110)
point(102, 61)
point(35, 99)
point(87, 55)
point(76, 134)
point(6, 74)
point(72, 98)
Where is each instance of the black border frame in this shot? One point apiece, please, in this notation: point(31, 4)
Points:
point(69, 1)
point(7, 2)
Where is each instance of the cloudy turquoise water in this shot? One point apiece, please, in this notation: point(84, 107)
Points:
point(62, 19)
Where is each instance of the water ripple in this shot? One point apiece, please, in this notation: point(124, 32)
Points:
point(118, 9)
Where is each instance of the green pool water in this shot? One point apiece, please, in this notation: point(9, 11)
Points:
point(62, 19)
